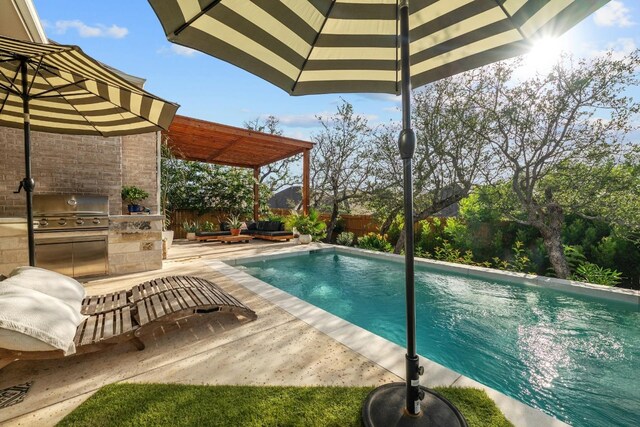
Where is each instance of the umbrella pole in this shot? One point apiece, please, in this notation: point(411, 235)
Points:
point(28, 183)
point(408, 404)
point(406, 146)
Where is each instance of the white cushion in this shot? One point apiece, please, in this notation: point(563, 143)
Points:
point(34, 321)
point(49, 282)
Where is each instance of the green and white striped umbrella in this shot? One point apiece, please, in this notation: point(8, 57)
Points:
point(70, 92)
point(57, 88)
point(328, 46)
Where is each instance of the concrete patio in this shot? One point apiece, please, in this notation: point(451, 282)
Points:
point(276, 349)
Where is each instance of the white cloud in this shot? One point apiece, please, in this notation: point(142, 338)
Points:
point(301, 120)
point(176, 49)
point(614, 14)
point(621, 48)
point(84, 30)
point(312, 120)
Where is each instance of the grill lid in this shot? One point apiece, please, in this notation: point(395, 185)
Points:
point(61, 205)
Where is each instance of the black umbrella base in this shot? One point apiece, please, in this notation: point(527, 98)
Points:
point(385, 407)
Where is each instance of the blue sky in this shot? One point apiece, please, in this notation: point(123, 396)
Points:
point(127, 35)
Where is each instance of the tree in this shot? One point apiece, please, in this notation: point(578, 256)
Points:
point(559, 139)
point(204, 187)
point(340, 161)
point(450, 157)
point(279, 174)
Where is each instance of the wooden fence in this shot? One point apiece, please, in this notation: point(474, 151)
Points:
point(357, 224)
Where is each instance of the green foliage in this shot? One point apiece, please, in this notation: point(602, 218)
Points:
point(375, 242)
point(270, 216)
point(521, 261)
point(203, 187)
point(208, 226)
point(133, 195)
point(592, 273)
point(574, 256)
point(346, 238)
point(307, 224)
point(448, 253)
point(190, 226)
point(234, 221)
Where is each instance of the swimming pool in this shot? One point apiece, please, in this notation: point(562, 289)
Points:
point(573, 356)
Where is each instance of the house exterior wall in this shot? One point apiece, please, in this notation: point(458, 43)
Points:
point(81, 165)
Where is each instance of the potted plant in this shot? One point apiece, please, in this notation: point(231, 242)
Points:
point(308, 226)
point(234, 224)
point(190, 227)
point(133, 195)
point(166, 233)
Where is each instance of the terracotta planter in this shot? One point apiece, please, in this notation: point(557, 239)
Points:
point(191, 236)
point(235, 231)
point(304, 239)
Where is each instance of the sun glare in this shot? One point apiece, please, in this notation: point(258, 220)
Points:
point(543, 55)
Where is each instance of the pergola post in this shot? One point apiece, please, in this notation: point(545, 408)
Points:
point(256, 193)
point(306, 174)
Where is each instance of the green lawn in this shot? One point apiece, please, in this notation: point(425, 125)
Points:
point(187, 405)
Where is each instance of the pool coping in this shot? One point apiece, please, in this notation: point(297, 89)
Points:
point(563, 285)
point(377, 349)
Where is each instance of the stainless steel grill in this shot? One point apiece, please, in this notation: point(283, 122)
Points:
point(71, 233)
point(69, 212)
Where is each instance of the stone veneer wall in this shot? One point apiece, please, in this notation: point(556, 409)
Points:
point(135, 243)
point(140, 166)
point(77, 164)
point(83, 165)
point(13, 245)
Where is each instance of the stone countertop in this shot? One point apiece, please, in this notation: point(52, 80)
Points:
point(13, 220)
point(134, 218)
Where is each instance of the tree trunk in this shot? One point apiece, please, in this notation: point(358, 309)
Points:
point(332, 223)
point(400, 243)
point(384, 228)
point(553, 245)
point(552, 239)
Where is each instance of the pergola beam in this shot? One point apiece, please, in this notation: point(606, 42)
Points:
point(203, 141)
point(306, 174)
point(256, 193)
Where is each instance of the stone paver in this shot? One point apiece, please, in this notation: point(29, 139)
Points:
point(276, 349)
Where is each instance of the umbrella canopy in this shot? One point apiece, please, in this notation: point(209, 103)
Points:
point(70, 92)
point(329, 46)
point(59, 89)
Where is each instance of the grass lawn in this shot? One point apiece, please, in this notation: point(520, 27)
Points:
point(189, 405)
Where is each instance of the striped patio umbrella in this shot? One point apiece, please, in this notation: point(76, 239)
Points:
point(59, 89)
point(388, 46)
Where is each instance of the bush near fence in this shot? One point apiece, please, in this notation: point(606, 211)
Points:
point(357, 224)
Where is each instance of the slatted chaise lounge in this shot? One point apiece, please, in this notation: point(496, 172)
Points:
point(122, 316)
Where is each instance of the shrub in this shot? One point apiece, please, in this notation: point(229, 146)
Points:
point(308, 224)
point(208, 226)
point(375, 242)
point(132, 195)
point(593, 273)
point(345, 238)
point(190, 226)
point(448, 253)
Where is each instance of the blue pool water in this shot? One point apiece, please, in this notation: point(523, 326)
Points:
point(576, 358)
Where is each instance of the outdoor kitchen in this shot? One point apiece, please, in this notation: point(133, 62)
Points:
point(81, 225)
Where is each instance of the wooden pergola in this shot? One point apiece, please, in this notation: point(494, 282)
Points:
point(203, 141)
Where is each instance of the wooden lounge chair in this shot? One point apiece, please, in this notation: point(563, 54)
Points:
point(122, 316)
point(175, 297)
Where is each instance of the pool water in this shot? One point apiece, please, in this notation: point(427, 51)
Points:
point(575, 357)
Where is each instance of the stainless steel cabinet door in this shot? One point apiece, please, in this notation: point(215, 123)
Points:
point(90, 258)
point(55, 256)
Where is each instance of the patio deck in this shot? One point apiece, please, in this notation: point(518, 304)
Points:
point(276, 349)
